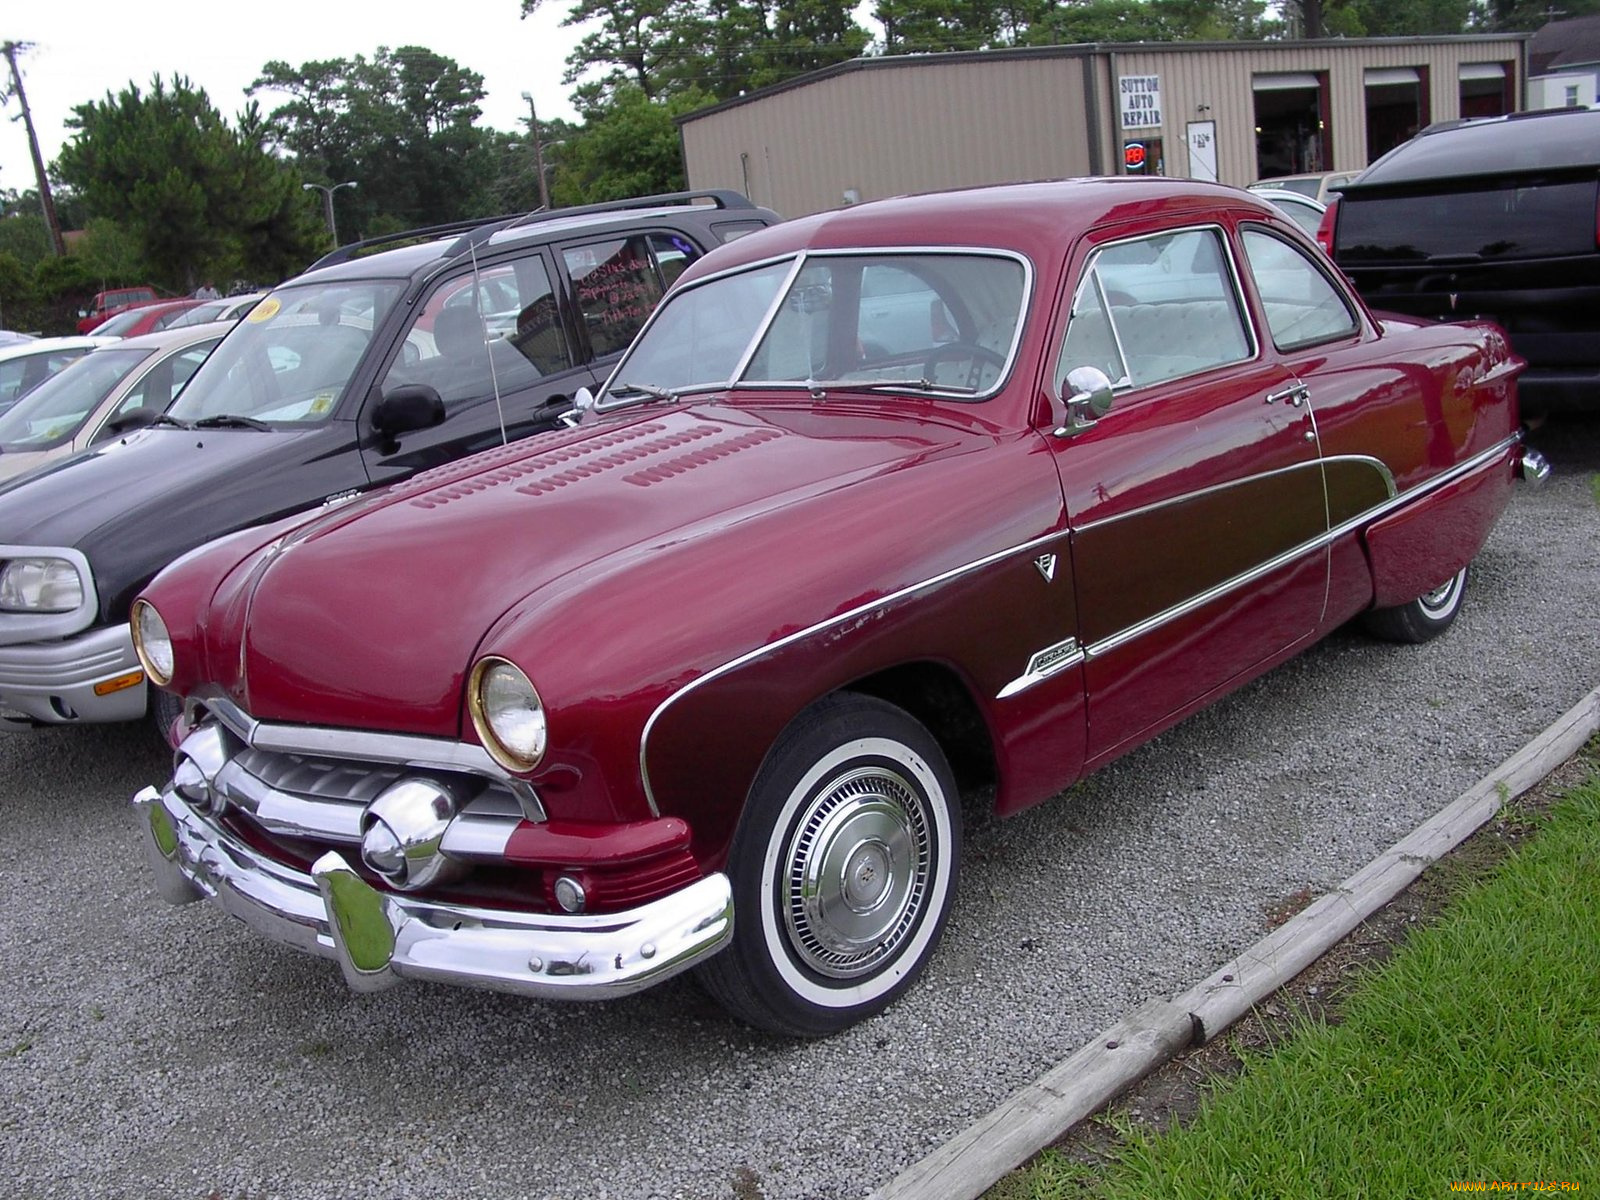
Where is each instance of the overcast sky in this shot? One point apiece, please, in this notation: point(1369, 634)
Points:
point(84, 48)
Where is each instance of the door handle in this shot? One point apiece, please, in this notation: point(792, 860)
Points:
point(1294, 396)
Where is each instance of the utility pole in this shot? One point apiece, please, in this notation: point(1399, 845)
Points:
point(538, 152)
point(10, 50)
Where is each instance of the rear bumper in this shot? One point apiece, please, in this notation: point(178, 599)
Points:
point(380, 937)
point(54, 682)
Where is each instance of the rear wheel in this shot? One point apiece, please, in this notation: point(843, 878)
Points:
point(843, 868)
point(1422, 619)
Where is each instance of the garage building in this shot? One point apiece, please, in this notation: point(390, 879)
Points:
point(1230, 111)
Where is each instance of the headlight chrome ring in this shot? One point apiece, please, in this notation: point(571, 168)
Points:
point(507, 713)
point(152, 643)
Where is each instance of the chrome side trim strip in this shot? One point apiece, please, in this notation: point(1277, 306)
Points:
point(1052, 660)
point(799, 635)
point(1380, 467)
point(1178, 611)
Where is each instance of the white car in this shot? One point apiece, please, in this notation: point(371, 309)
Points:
point(28, 362)
point(1302, 209)
point(79, 407)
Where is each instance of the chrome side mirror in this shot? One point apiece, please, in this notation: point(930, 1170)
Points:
point(1088, 399)
point(582, 402)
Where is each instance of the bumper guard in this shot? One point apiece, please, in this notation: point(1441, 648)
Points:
point(378, 938)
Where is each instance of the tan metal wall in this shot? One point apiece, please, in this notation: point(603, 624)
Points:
point(1221, 78)
point(886, 132)
point(942, 121)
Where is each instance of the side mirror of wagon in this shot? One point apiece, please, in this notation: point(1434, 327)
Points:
point(1088, 399)
point(582, 402)
point(409, 407)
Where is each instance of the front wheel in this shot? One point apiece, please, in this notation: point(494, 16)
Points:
point(1422, 619)
point(843, 867)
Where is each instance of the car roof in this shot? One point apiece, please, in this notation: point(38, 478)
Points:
point(1541, 140)
point(1027, 218)
point(163, 339)
point(404, 262)
point(1284, 194)
point(50, 345)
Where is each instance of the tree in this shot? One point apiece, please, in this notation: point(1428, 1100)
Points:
point(627, 147)
point(199, 201)
point(715, 48)
point(401, 124)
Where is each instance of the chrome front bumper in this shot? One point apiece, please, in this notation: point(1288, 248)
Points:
point(53, 682)
point(380, 937)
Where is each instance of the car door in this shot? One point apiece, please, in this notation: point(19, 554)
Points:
point(616, 282)
point(495, 341)
point(1196, 504)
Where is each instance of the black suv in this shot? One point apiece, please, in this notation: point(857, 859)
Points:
point(1497, 218)
point(371, 365)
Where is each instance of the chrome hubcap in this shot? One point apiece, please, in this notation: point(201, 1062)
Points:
point(857, 869)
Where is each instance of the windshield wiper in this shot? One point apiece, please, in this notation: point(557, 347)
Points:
point(820, 387)
point(230, 421)
point(647, 389)
point(163, 419)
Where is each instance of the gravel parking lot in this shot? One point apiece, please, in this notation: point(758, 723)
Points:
point(152, 1051)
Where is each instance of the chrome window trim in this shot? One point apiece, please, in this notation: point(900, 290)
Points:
point(1358, 325)
point(800, 258)
point(17, 627)
point(401, 749)
point(801, 634)
point(1253, 346)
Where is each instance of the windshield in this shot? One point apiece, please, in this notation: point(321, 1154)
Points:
point(292, 357)
point(914, 320)
point(54, 411)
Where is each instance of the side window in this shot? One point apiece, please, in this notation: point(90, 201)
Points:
point(498, 326)
point(1302, 305)
point(617, 288)
point(1089, 341)
point(1159, 307)
point(163, 381)
point(673, 254)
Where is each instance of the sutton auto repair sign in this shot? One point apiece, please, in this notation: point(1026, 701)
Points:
point(1141, 101)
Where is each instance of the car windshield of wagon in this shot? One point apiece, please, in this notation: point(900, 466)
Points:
point(931, 321)
point(292, 357)
point(52, 413)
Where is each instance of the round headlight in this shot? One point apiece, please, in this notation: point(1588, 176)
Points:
point(152, 643)
point(507, 714)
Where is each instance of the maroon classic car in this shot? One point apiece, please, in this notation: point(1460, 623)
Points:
point(984, 487)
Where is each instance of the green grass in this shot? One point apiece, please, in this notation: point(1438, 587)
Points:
point(1473, 1055)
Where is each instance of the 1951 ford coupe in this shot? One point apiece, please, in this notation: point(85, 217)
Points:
point(978, 487)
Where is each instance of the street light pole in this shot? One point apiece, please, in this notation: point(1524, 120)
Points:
point(327, 203)
point(538, 151)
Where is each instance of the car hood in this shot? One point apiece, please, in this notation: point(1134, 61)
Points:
point(372, 615)
point(135, 503)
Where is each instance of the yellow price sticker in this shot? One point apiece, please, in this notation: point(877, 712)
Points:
point(265, 311)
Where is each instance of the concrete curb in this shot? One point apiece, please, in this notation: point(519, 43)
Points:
point(1040, 1113)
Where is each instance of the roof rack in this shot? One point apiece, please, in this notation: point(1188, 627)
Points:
point(479, 230)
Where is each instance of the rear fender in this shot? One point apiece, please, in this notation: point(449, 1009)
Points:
point(1414, 550)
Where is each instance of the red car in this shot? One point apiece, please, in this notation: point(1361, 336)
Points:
point(114, 300)
point(145, 318)
point(983, 488)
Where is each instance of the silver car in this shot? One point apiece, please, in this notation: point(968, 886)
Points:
point(80, 405)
